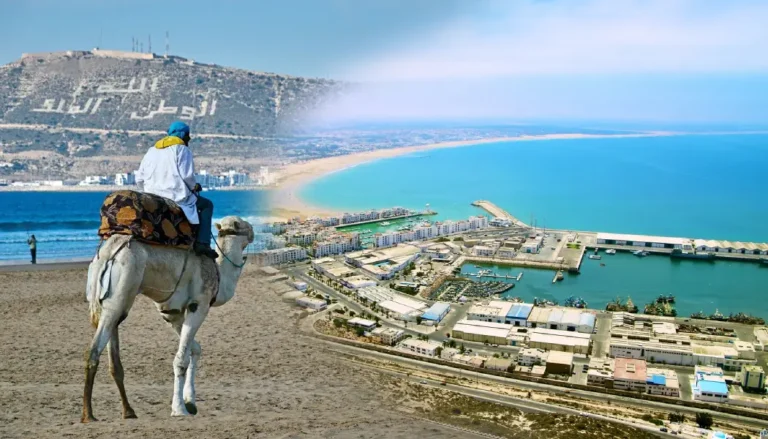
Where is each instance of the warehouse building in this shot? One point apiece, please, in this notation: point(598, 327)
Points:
point(482, 332)
point(709, 385)
point(498, 364)
point(625, 240)
point(436, 312)
point(752, 378)
point(495, 311)
point(629, 374)
point(564, 319)
point(518, 314)
point(662, 382)
point(554, 340)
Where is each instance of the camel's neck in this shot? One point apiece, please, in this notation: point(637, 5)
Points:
point(229, 274)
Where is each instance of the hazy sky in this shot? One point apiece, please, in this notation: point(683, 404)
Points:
point(673, 60)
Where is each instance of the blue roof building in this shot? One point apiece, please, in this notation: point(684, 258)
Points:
point(518, 314)
point(710, 385)
point(436, 312)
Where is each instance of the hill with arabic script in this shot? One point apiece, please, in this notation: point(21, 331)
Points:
point(110, 103)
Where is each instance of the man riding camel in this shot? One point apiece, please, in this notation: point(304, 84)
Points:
point(167, 170)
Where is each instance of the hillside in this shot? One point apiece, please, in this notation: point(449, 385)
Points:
point(109, 103)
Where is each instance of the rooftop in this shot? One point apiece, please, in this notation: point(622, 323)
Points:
point(641, 238)
point(712, 387)
point(629, 369)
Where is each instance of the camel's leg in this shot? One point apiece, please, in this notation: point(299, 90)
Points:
point(189, 384)
point(107, 324)
point(192, 322)
point(116, 369)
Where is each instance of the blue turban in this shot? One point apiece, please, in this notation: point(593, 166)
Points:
point(179, 129)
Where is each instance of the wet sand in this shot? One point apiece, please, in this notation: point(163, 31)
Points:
point(259, 377)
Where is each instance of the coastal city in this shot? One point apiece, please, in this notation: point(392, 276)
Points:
point(208, 181)
point(428, 290)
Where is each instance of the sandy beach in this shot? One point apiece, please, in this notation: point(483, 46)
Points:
point(260, 377)
point(287, 203)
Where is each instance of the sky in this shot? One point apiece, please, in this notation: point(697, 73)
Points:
point(620, 60)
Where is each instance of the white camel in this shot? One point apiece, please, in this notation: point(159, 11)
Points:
point(183, 286)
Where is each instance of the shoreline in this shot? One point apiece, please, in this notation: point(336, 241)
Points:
point(287, 203)
point(112, 188)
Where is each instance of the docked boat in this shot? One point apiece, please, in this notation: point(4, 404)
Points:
point(559, 276)
point(610, 251)
point(595, 257)
point(386, 223)
point(682, 254)
point(597, 249)
point(640, 253)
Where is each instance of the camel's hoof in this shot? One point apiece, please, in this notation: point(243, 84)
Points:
point(87, 419)
point(130, 414)
point(179, 413)
point(191, 408)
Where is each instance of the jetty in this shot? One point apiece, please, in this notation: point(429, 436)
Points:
point(498, 212)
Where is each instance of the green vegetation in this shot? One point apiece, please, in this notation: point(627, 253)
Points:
point(704, 420)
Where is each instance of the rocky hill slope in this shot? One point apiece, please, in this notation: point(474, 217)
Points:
point(109, 103)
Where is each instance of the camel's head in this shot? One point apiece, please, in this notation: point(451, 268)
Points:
point(239, 229)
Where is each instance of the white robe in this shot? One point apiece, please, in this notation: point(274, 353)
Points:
point(170, 173)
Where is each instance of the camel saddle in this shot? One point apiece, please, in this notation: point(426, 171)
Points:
point(148, 218)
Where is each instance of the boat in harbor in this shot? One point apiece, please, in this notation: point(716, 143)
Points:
point(640, 253)
point(544, 302)
point(665, 299)
point(386, 223)
point(597, 249)
point(575, 302)
point(595, 257)
point(610, 251)
point(559, 276)
point(682, 254)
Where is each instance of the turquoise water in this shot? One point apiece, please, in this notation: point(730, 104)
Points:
point(690, 186)
point(730, 287)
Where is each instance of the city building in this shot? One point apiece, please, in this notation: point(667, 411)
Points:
point(752, 378)
point(532, 357)
point(299, 285)
point(498, 364)
point(709, 384)
point(397, 305)
point(600, 372)
point(559, 363)
point(518, 314)
point(629, 374)
point(357, 282)
point(383, 263)
point(281, 256)
point(624, 240)
point(368, 325)
point(422, 232)
point(388, 336)
point(123, 179)
point(421, 347)
point(336, 244)
point(555, 340)
point(564, 319)
point(436, 312)
point(312, 303)
point(662, 382)
point(482, 331)
point(494, 311)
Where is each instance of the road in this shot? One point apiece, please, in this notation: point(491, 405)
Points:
point(529, 385)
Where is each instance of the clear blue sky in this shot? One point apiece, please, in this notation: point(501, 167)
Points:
point(651, 60)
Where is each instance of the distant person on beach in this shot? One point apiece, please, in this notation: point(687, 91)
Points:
point(167, 171)
point(32, 241)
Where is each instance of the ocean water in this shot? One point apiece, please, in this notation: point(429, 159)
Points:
point(689, 186)
point(65, 223)
point(696, 186)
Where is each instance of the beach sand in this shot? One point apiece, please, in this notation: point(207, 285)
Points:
point(286, 202)
point(258, 378)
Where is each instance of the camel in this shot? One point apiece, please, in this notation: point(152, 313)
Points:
point(183, 287)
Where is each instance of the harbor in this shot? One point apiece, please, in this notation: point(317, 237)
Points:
point(707, 277)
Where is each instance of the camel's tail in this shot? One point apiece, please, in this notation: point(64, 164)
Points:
point(93, 290)
point(99, 276)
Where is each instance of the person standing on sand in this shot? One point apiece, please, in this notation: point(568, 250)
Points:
point(32, 242)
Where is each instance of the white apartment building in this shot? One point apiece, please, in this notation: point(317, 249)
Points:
point(125, 179)
point(388, 336)
point(483, 251)
point(428, 232)
point(530, 357)
point(281, 256)
point(336, 245)
point(312, 303)
point(421, 347)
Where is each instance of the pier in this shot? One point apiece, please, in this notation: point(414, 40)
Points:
point(498, 212)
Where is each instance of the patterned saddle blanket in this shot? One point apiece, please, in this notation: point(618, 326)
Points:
point(148, 218)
